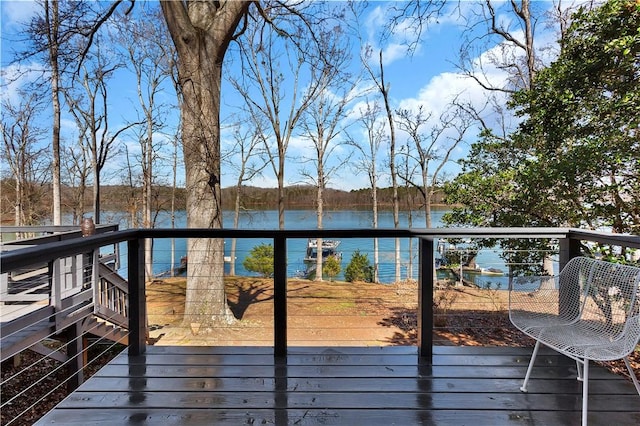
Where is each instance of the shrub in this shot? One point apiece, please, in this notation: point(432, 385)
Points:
point(359, 268)
point(331, 267)
point(260, 260)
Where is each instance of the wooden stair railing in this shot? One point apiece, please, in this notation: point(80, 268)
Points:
point(111, 297)
point(83, 290)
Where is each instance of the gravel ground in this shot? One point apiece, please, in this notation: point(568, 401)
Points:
point(38, 388)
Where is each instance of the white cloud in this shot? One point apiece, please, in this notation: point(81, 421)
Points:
point(266, 181)
point(15, 77)
point(397, 45)
point(374, 21)
point(392, 53)
point(16, 12)
point(69, 128)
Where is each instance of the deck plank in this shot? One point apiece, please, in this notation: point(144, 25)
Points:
point(213, 416)
point(378, 371)
point(357, 384)
point(379, 399)
point(323, 359)
point(344, 385)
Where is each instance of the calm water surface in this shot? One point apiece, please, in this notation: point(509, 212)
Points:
point(343, 219)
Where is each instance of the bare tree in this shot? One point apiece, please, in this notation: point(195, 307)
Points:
point(27, 163)
point(242, 156)
point(131, 180)
point(377, 77)
point(52, 33)
point(201, 33)
point(52, 24)
point(323, 124)
point(501, 39)
point(431, 149)
point(411, 18)
point(514, 52)
point(272, 85)
point(374, 129)
point(90, 107)
point(174, 188)
point(77, 171)
point(148, 53)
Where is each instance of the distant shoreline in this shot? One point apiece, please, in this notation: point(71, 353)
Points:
point(296, 197)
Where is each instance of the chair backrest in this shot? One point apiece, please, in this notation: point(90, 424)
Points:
point(609, 301)
point(612, 297)
point(573, 285)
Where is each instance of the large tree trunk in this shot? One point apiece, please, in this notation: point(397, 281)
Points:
point(201, 32)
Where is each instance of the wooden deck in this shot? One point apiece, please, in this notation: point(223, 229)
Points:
point(173, 385)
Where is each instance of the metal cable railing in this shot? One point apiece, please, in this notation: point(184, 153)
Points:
point(425, 306)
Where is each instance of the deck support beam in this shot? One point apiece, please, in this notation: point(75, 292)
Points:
point(280, 297)
point(426, 277)
point(75, 356)
point(137, 298)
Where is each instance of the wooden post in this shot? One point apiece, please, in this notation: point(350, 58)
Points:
point(280, 296)
point(426, 279)
point(137, 298)
point(56, 274)
point(75, 356)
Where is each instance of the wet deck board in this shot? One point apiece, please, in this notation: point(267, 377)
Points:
point(368, 386)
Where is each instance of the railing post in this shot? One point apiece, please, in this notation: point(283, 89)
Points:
point(137, 298)
point(426, 279)
point(569, 248)
point(569, 296)
point(280, 296)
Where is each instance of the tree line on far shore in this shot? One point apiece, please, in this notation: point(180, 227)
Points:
point(128, 199)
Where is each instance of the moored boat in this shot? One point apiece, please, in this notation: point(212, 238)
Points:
point(329, 248)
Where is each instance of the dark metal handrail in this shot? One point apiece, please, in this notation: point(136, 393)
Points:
point(569, 247)
point(50, 251)
point(50, 233)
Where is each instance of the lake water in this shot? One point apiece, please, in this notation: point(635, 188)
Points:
point(306, 219)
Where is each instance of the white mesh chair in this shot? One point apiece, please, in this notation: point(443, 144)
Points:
point(590, 312)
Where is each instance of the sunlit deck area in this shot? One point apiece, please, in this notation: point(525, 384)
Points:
point(172, 385)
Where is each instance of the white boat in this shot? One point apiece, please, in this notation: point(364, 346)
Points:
point(329, 248)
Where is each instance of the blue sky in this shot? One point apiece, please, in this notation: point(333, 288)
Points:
point(428, 78)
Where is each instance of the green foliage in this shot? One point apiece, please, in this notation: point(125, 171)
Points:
point(359, 268)
point(582, 127)
point(331, 267)
point(260, 260)
point(575, 158)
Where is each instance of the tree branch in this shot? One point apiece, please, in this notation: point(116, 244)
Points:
point(97, 25)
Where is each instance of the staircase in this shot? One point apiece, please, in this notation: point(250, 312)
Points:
point(74, 296)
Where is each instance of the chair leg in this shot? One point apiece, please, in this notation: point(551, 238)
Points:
point(579, 368)
point(585, 391)
point(523, 388)
point(632, 374)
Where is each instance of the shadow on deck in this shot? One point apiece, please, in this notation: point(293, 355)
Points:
point(173, 385)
